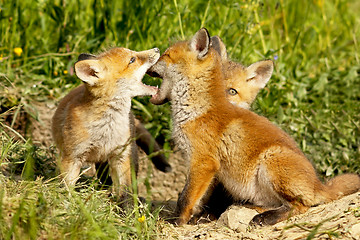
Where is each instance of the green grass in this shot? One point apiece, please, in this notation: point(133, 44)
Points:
point(46, 209)
point(313, 94)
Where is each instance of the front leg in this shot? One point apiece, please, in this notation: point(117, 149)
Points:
point(216, 200)
point(120, 172)
point(201, 174)
point(70, 169)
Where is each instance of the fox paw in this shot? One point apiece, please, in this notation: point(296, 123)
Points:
point(263, 219)
point(180, 221)
point(258, 220)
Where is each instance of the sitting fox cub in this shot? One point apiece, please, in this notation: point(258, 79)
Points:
point(241, 90)
point(93, 123)
point(254, 159)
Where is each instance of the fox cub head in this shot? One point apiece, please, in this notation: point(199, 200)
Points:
point(116, 72)
point(242, 83)
point(181, 61)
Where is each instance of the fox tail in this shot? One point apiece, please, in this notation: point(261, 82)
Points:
point(343, 185)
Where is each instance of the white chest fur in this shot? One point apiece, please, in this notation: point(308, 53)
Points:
point(110, 133)
point(254, 186)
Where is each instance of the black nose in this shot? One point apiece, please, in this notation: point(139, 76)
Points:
point(156, 50)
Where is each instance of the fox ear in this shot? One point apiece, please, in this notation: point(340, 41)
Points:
point(89, 71)
point(200, 43)
point(259, 73)
point(219, 46)
point(85, 56)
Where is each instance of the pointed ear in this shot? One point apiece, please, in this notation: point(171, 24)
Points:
point(200, 43)
point(219, 46)
point(85, 56)
point(259, 73)
point(89, 71)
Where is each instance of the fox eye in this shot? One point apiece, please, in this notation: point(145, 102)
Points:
point(132, 60)
point(232, 91)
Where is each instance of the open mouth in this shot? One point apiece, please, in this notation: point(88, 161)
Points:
point(158, 98)
point(153, 74)
point(156, 89)
point(152, 90)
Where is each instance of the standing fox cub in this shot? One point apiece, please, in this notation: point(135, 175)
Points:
point(253, 159)
point(93, 123)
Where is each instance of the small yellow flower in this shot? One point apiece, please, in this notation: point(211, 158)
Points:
point(141, 219)
point(320, 3)
point(341, 68)
point(1, 57)
point(18, 51)
point(244, 6)
point(55, 73)
point(65, 72)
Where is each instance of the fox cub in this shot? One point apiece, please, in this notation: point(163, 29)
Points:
point(251, 157)
point(241, 90)
point(93, 123)
point(242, 86)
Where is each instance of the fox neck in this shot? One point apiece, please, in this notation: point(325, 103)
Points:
point(195, 96)
point(192, 99)
point(104, 101)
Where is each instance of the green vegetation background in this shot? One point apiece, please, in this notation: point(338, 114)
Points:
point(313, 94)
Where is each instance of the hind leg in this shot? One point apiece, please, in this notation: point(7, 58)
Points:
point(271, 217)
point(293, 180)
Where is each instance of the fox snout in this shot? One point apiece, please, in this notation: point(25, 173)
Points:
point(152, 55)
point(155, 56)
point(156, 50)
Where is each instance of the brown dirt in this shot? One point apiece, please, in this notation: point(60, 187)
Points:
point(341, 217)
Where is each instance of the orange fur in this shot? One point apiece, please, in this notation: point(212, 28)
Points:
point(255, 160)
point(242, 83)
point(93, 122)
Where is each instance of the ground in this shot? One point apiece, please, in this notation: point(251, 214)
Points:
point(340, 218)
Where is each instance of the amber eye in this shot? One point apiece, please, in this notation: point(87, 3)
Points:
point(232, 91)
point(132, 60)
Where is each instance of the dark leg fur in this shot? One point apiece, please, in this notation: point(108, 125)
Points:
point(148, 144)
point(216, 202)
point(219, 200)
point(272, 216)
